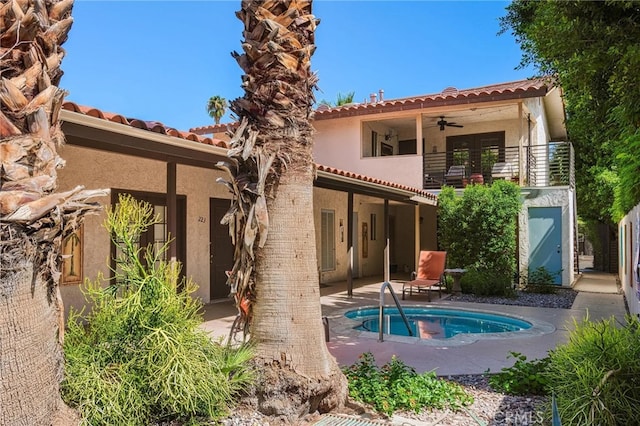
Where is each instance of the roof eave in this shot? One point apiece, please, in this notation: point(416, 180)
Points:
point(331, 180)
point(95, 132)
point(400, 106)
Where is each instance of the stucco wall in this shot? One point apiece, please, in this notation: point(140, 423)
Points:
point(337, 144)
point(549, 197)
point(629, 258)
point(333, 143)
point(337, 202)
point(99, 169)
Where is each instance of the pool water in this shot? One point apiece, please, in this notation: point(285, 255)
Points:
point(436, 323)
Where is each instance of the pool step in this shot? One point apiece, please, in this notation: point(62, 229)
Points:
point(344, 420)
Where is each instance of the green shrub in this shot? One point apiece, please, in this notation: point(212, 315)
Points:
point(478, 229)
point(139, 356)
point(482, 282)
point(596, 375)
point(540, 280)
point(395, 386)
point(523, 378)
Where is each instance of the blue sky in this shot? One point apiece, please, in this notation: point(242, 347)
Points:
point(162, 60)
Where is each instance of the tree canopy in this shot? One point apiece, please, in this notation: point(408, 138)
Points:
point(591, 49)
point(216, 107)
point(340, 100)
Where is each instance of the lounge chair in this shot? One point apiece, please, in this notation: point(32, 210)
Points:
point(502, 171)
point(430, 274)
point(454, 175)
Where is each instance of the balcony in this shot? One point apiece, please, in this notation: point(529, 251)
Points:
point(531, 166)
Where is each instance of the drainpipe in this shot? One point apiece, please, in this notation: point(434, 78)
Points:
point(529, 145)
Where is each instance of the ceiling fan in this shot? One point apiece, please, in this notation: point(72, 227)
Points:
point(442, 123)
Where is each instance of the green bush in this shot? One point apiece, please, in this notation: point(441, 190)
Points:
point(482, 282)
point(395, 386)
point(596, 375)
point(139, 356)
point(523, 378)
point(540, 280)
point(478, 229)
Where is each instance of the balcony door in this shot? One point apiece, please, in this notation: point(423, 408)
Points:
point(477, 151)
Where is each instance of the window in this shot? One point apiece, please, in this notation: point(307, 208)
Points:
point(328, 241)
point(156, 235)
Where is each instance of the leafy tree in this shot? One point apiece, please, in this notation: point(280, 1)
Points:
point(216, 107)
point(345, 99)
point(592, 50)
point(341, 100)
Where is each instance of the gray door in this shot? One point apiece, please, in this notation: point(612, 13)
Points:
point(545, 239)
point(220, 249)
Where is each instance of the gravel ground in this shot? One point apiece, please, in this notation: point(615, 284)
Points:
point(563, 298)
point(490, 407)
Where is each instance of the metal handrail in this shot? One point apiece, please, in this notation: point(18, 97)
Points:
point(387, 284)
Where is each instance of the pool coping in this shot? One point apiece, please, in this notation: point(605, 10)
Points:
point(340, 325)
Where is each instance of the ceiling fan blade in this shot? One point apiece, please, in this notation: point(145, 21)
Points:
point(454, 125)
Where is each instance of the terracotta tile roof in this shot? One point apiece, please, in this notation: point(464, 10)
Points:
point(338, 172)
point(449, 96)
point(152, 126)
point(214, 128)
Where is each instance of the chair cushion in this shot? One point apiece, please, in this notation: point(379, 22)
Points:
point(431, 265)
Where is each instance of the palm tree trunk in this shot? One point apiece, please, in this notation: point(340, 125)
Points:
point(32, 361)
point(271, 176)
point(33, 219)
point(300, 375)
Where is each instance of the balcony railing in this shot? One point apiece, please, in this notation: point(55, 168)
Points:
point(537, 165)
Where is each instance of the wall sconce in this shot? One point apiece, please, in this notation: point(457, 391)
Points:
point(341, 228)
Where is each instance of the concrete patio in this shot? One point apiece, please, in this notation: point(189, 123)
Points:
point(598, 298)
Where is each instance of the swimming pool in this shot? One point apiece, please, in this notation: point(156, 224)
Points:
point(436, 323)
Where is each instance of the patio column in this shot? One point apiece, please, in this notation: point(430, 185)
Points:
point(419, 147)
point(172, 220)
point(521, 163)
point(350, 252)
point(387, 273)
point(417, 232)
